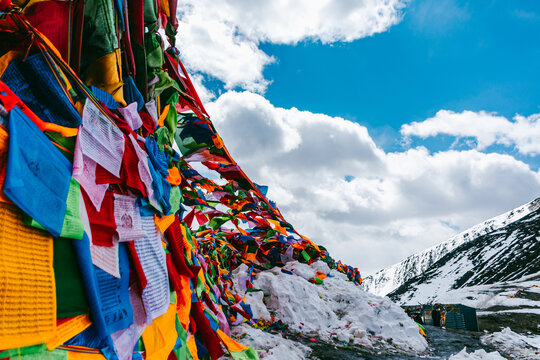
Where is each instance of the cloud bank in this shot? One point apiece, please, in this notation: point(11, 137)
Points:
point(485, 128)
point(369, 207)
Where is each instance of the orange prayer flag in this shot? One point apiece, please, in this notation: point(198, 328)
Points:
point(277, 226)
point(311, 243)
point(82, 353)
point(174, 177)
point(4, 145)
point(229, 343)
point(106, 73)
point(68, 329)
point(192, 346)
point(321, 275)
point(164, 222)
point(183, 304)
point(160, 337)
point(250, 256)
point(161, 120)
point(165, 7)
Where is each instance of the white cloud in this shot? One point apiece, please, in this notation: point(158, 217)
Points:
point(486, 128)
point(222, 38)
point(396, 204)
point(212, 46)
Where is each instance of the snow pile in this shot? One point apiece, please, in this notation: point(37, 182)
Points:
point(271, 347)
point(507, 341)
point(337, 310)
point(477, 355)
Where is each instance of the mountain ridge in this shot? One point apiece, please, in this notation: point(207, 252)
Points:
point(506, 254)
point(389, 279)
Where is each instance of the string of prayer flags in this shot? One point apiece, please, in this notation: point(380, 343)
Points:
point(131, 249)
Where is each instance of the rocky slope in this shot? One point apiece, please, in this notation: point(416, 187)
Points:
point(389, 279)
point(511, 253)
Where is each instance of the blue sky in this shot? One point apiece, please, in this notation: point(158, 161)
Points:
point(376, 124)
point(477, 55)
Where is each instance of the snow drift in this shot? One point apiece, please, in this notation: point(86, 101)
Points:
point(335, 311)
point(509, 342)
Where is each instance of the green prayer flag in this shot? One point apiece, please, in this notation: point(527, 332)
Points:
point(217, 221)
point(171, 121)
point(73, 227)
point(154, 53)
point(36, 352)
point(253, 290)
point(249, 354)
point(31, 222)
point(182, 353)
point(200, 288)
point(175, 199)
point(209, 313)
point(99, 33)
point(70, 294)
point(162, 136)
point(66, 142)
point(164, 82)
point(140, 345)
point(150, 14)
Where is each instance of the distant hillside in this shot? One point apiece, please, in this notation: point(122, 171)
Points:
point(509, 253)
point(387, 280)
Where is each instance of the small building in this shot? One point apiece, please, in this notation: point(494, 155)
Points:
point(452, 316)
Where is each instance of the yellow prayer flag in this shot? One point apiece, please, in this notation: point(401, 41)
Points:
point(68, 329)
point(27, 287)
point(160, 337)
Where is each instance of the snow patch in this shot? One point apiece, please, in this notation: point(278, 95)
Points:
point(519, 311)
point(477, 355)
point(255, 300)
point(519, 346)
point(271, 346)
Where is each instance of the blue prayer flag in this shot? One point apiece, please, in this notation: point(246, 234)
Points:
point(37, 174)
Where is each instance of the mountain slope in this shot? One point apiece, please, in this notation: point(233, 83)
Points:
point(508, 253)
point(389, 279)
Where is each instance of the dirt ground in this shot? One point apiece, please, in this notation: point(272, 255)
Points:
point(518, 322)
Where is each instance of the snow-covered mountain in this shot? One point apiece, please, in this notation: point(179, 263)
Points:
point(506, 254)
point(387, 280)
